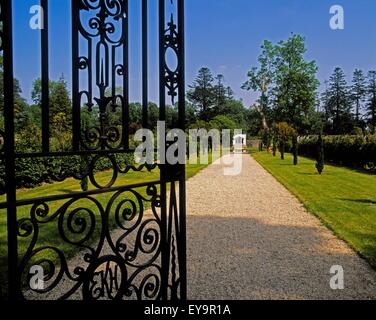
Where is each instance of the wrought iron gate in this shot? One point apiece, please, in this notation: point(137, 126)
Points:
point(131, 245)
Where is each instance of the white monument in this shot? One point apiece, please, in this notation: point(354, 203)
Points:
point(240, 142)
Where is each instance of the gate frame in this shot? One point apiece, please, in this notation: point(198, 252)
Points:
point(169, 174)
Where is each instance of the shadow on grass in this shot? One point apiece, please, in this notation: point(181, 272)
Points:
point(67, 191)
point(364, 201)
point(308, 173)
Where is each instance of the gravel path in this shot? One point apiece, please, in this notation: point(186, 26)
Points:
point(250, 238)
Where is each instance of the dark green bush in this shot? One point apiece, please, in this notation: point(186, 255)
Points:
point(320, 159)
point(346, 150)
point(35, 171)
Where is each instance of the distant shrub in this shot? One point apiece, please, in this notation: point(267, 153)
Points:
point(320, 155)
point(346, 150)
point(31, 172)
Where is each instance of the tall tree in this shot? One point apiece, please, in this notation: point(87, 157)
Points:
point(338, 103)
point(60, 112)
point(358, 92)
point(20, 104)
point(60, 102)
point(261, 79)
point(220, 92)
point(371, 105)
point(296, 84)
point(201, 93)
point(286, 82)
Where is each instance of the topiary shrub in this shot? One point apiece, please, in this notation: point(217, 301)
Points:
point(320, 155)
point(295, 149)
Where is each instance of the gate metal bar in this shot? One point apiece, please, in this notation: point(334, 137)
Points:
point(45, 78)
point(9, 144)
point(145, 55)
point(182, 120)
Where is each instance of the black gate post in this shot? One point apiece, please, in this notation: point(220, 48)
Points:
point(182, 184)
point(9, 144)
point(162, 117)
point(173, 211)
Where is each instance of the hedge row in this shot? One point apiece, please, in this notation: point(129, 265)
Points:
point(353, 151)
point(34, 172)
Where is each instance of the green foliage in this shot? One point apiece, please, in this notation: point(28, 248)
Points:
point(294, 93)
point(337, 104)
point(36, 171)
point(20, 105)
point(284, 134)
point(286, 82)
point(202, 93)
point(371, 105)
point(358, 92)
point(352, 151)
point(212, 98)
point(222, 123)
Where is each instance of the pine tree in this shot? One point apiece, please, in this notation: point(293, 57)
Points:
point(220, 93)
point(358, 92)
point(202, 94)
point(371, 105)
point(320, 155)
point(338, 103)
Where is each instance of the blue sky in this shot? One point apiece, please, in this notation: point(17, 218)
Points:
point(224, 35)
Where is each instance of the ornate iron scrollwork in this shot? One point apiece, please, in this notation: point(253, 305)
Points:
point(104, 29)
point(123, 264)
point(172, 75)
point(90, 170)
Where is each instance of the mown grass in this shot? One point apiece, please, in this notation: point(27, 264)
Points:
point(344, 199)
point(49, 233)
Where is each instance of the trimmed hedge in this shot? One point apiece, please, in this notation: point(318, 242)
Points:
point(346, 150)
point(34, 172)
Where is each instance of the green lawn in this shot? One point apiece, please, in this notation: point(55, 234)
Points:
point(344, 199)
point(49, 234)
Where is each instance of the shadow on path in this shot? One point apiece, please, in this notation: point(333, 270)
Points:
point(238, 258)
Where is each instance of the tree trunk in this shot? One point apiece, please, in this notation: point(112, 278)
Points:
point(263, 118)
